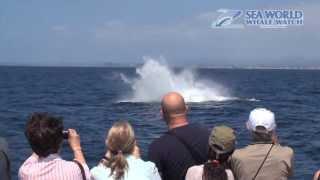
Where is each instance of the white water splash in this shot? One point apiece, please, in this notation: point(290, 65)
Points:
point(156, 79)
point(253, 99)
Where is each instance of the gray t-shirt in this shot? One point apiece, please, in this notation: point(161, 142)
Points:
point(4, 168)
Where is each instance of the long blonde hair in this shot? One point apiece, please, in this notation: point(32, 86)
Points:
point(120, 141)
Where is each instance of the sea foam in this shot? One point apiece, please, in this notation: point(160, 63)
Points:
point(156, 79)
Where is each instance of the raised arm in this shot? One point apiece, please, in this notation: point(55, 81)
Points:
point(75, 145)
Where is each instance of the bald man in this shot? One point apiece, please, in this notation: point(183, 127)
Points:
point(183, 145)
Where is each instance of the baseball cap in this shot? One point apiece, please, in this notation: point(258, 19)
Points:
point(222, 139)
point(261, 117)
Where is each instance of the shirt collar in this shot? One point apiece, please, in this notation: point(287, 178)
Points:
point(50, 157)
point(261, 142)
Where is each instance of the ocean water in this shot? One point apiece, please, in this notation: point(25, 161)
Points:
point(91, 99)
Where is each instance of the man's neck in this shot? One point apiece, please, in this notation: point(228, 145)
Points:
point(262, 142)
point(178, 122)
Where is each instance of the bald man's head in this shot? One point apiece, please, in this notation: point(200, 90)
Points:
point(173, 106)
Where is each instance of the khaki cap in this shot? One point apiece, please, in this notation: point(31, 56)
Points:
point(222, 139)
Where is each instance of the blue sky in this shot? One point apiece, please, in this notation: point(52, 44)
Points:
point(93, 32)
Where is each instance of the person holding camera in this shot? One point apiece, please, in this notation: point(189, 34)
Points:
point(45, 135)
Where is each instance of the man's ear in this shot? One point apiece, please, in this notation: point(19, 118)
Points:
point(247, 125)
point(275, 139)
point(161, 112)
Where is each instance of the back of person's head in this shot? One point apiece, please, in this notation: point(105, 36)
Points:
point(262, 124)
point(44, 133)
point(221, 146)
point(120, 142)
point(173, 106)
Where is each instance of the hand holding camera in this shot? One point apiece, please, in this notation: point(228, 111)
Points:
point(73, 139)
point(74, 142)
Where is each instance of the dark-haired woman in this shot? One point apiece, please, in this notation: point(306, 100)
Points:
point(221, 146)
point(45, 135)
point(122, 160)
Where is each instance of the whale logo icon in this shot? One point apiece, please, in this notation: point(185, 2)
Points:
point(227, 18)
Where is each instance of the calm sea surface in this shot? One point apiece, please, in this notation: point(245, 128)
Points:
point(88, 99)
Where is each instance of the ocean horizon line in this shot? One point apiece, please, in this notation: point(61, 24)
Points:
point(174, 66)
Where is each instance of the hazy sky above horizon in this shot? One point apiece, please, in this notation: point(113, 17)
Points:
point(95, 32)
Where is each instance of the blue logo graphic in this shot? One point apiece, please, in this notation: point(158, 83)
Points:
point(227, 19)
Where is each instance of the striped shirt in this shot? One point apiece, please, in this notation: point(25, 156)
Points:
point(51, 168)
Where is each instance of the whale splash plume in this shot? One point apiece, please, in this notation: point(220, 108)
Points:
point(156, 79)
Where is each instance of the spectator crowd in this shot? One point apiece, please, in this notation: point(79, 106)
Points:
point(185, 152)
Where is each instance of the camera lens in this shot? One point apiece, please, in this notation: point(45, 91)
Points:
point(65, 134)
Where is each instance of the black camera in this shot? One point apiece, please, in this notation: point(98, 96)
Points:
point(65, 134)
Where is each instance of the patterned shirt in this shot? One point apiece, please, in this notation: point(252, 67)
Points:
point(51, 168)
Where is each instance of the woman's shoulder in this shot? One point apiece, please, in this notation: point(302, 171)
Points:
point(229, 174)
point(138, 162)
point(196, 168)
point(194, 172)
point(142, 168)
point(100, 172)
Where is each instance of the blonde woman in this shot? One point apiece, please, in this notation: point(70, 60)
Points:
point(122, 160)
